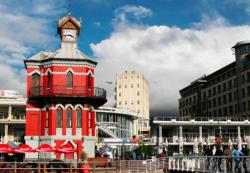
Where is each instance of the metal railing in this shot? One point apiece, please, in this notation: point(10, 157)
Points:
point(225, 164)
point(162, 118)
point(63, 90)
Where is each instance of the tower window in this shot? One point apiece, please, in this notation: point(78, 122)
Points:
point(69, 118)
point(49, 80)
point(79, 118)
point(47, 118)
point(59, 117)
point(89, 81)
point(69, 79)
point(35, 80)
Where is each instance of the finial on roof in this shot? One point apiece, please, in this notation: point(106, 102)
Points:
point(69, 9)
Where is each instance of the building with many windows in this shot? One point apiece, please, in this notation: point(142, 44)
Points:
point(132, 93)
point(224, 93)
point(12, 116)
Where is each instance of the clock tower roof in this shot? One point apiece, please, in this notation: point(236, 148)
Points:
point(68, 22)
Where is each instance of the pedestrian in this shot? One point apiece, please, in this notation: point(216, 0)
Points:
point(245, 153)
point(236, 155)
point(218, 154)
point(209, 153)
point(227, 152)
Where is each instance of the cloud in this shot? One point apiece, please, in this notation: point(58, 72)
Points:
point(124, 14)
point(169, 57)
point(24, 29)
point(208, 22)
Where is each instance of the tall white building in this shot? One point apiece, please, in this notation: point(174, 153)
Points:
point(132, 93)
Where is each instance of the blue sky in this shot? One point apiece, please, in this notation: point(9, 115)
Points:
point(172, 42)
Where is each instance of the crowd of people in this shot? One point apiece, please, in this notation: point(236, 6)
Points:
point(234, 157)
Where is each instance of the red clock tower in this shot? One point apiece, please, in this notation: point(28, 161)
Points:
point(61, 96)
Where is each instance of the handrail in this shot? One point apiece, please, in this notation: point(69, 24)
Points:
point(63, 90)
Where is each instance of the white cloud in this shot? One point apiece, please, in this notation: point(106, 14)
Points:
point(24, 28)
point(169, 57)
point(124, 14)
point(208, 22)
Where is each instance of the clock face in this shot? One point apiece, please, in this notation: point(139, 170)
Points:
point(69, 35)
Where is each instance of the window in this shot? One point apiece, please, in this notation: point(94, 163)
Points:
point(47, 118)
point(125, 86)
point(225, 111)
point(138, 85)
point(69, 79)
point(219, 88)
point(248, 76)
point(230, 110)
point(243, 93)
point(138, 93)
point(120, 86)
point(131, 85)
point(230, 97)
point(132, 102)
point(214, 91)
point(214, 102)
point(230, 84)
point(120, 103)
point(59, 117)
point(248, 91)
point(35, 81)
point(89, 81)
point(243, 79)
point(224, 86)
point(219, 101)
point(125, 102)
point(78, 118)
point(138, 102)
point(69, 118)
point(224, 99)
point(120, 94)
point(49, 80)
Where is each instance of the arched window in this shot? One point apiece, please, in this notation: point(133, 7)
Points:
point(79, 118)
point(49, 80)
point(59, 117)
point(69, 79)
point(35, 81)
point(89, 81)
point(69, 117)
point(47, 118)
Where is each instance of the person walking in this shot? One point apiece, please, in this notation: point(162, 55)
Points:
point(245, 153)
point(227, 152)
point(218, 154)
point(209, 153)
point(236, 155)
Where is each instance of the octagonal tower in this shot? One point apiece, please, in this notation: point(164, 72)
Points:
point(61, 96)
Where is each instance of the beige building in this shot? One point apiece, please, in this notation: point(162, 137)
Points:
point(12, 116)
point(132, 93)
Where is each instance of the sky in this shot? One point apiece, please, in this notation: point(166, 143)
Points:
point(172, 42)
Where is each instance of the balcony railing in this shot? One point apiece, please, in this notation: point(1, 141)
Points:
point(63, 90)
